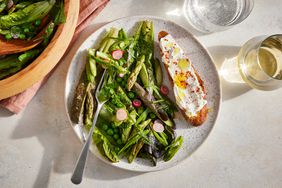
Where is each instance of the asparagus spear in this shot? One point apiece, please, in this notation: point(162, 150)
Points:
point(89, 107)
point(140, 141)
point(134, 74)
point(132, 51)
point(122, 34)
point(146, 47)
point(14, 63)
point(148, 100)
point(135, 150)
point(9, 62)
point(78, 102)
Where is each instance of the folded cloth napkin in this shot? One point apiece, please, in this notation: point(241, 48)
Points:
point(88, 10)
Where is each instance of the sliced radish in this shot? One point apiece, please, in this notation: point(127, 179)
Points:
point(136, 103)
point(117, 54)
point(10, 3)
point(121, 75)
point(121, 114)
point(164, 90)
point(158, 126)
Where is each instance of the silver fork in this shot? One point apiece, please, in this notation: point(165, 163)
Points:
point(80, 164)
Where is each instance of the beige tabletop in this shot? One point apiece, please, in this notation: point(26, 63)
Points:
point(38, 147)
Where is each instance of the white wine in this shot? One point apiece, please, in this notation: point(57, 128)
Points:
point(260, 64)
point(270, 57)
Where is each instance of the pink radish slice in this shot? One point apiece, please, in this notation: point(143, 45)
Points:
point(121, 114)
point(10, 3)
point(158, 126)
point(164, 90)
point(121, 75)
point(117, 54)
point(136, 103)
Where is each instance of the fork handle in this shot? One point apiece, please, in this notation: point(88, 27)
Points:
point(80, 164)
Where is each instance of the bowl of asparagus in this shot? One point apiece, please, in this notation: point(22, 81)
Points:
point(34, 35)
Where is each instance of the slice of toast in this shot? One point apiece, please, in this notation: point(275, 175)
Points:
point(202, 114)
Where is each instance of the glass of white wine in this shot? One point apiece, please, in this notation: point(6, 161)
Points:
point(259, 63)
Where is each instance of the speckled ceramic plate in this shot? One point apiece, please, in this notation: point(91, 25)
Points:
point(193, 136)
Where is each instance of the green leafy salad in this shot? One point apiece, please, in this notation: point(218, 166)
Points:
point(137, 119)
point(23, 20)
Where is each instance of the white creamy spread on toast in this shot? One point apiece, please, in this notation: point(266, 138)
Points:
point(188, 92)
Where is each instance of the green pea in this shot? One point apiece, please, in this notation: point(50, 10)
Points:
point(105, 127)
point(26, 30)
point(114, 101)
point(119, 142)
point(152, 115)
point(37, 22)
point(123, 83)
point(22, 36)
point(117, 149)
point(119, 105)
point(110, 132)
point(115, 130)
point(8, 36)
point(140, 110)
point(116, 136)
point(131, 95)
point(119, 79)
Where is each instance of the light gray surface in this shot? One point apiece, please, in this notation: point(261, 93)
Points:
point(39, 149)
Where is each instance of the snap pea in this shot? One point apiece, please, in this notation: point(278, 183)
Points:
point(160, 138)
point(172, 149)
point(127, 126)
point(134, 139)
point(158, 72)
point(107, 62)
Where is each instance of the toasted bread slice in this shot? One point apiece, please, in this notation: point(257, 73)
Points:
point(202, 114)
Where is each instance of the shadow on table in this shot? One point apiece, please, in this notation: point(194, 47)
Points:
point(220, 54)
point(52, 129)
point(5, 113)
